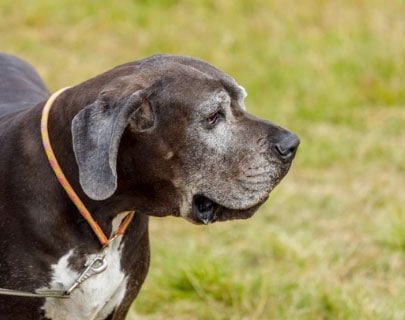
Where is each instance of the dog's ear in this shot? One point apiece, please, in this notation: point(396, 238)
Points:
point(143, 118)
point(96, 132)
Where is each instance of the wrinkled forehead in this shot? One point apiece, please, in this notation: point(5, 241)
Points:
point(224, 96)
point(195, 89)
point(183, 65)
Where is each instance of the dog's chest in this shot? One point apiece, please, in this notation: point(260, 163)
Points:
point(96, 298)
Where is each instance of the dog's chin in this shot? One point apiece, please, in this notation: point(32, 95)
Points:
point(206, 211)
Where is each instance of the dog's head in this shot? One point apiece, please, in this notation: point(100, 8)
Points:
point(173, 133)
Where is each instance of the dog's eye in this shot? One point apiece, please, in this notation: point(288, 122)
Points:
point(213, 118)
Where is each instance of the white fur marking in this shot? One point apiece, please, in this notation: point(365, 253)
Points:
point(242, 97)
point(98, 296)
point(220, 137)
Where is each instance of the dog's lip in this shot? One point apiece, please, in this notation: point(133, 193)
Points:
point(204, 209)
point(219, 212)
point(223, 213)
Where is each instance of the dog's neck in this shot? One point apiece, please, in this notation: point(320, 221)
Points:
point(103, 212)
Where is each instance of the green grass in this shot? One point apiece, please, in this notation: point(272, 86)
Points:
point(330, 242)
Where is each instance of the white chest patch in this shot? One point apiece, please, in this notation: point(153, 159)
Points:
point(95, 298)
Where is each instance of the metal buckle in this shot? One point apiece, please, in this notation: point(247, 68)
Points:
point(94, 266)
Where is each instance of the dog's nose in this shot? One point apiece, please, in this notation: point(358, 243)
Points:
point(286, 145)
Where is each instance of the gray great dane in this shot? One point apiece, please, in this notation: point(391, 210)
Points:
point(167, 135)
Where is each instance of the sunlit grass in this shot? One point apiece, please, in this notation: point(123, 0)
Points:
point(330, 242)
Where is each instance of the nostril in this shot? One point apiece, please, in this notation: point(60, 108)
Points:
point(285, 153)
point(287, 147)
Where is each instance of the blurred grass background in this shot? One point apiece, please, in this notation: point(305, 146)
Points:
point(330, 242)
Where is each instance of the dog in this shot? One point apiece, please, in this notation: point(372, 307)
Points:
point(166, 135)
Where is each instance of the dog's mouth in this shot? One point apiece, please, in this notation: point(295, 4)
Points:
point(204, 210)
